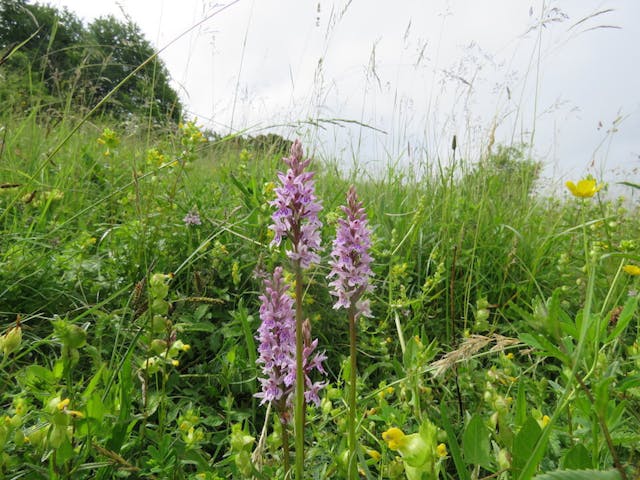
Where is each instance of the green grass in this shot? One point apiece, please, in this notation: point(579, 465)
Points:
point(521, 299)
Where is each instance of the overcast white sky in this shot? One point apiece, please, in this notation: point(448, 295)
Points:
point(418, 71)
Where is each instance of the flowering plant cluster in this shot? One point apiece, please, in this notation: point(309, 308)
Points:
point(287, 351)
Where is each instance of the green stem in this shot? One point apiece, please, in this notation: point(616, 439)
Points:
point(352, 465)
point(285, 449)
point(299, 403)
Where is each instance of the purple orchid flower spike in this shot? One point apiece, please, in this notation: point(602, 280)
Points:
point(351, 261)
point(297, 208)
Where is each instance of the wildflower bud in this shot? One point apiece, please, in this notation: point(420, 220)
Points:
point(374, 454)
point(76, 336)
point(16, 421)
point(11, 340)
point(18, 438)
point(159, 324)
point(239, 439)
point(57, 436)
point(504, 460)
point(415, 451)
point(326, 406)
point(159, 306)
point(159, 285)
point(158, 346)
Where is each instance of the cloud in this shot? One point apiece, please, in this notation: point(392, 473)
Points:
point(420, 71)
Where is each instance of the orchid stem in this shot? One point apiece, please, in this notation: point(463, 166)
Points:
point(299, 404)
point(352, 466)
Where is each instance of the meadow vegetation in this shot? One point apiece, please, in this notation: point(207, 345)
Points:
point(503, 338)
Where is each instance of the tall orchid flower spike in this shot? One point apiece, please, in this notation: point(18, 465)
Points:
point(277, 349)
point(296, 218)
point(297, 208)
point(351, 270)
point(351, 261)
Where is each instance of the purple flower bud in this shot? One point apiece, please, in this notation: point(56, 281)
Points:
point(351, 262)
point(296, 215)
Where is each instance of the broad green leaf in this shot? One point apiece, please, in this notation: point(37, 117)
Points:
point(34, 375)
point(579, 475)
point(95, 408)
point(64, 452)
point(577, 458)
point(524, 444)
point(475, 443)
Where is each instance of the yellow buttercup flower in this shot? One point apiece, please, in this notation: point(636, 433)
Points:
point(394, 438)
point(586, 188)
point(441, 450)
point(633, 270)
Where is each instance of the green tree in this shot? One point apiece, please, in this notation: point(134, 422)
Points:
point(49, 58)
point(115, 49)
point(79, 65)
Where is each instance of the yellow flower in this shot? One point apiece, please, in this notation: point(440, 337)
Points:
point(633, 270)
point(62, 404)
point(394, 438)
point(374, 454)
point(441, 450)
point(587, 187)
point(545, 421)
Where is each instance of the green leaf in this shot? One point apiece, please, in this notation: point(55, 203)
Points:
point(542, 344)
point(95, 408)
point(625, 317)
point(463, 473)
point(35, 375)
point(579, 475)
point(475, 443)
point(629, 382)
point(207, 327)
point(200, 312)
point(64, 452)
point(629, 184)
point(577, 458)
point(524, 444)
point(521, 404)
